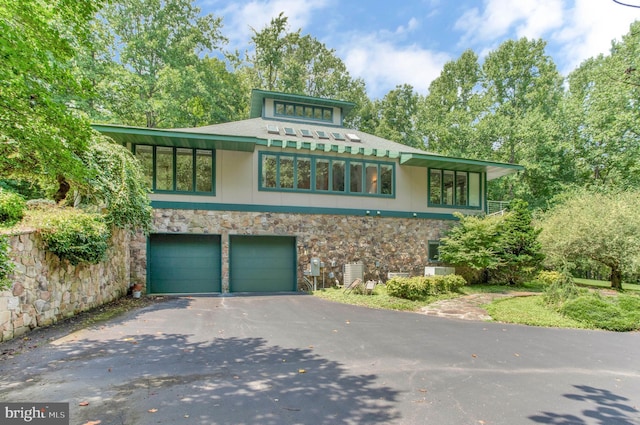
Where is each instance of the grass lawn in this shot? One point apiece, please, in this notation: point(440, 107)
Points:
point(531, 311)
point(379, 299)
point(605, 284)
point(525, 310)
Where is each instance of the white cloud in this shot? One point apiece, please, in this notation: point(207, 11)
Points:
point(498, 18)
point(240, 17)
point(383, 65)
point(589, 29)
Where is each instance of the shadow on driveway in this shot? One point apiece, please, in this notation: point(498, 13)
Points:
point(605, 407)
point(227, 380)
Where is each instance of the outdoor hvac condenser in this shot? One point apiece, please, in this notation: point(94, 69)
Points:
point(353, 271)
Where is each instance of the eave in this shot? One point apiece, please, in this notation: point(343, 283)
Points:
point(494, 170)
point(258, 97)
point(181, 139)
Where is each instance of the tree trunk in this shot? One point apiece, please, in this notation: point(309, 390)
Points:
point(63, 188)
point(616, 278)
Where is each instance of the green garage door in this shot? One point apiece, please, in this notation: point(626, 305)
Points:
point(262, 264)
point(184, 264)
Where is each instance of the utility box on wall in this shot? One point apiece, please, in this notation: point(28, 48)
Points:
point(315, 266)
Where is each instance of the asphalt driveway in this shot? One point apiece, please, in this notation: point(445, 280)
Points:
point(297, 359)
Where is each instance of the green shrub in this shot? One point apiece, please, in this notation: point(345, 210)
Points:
point(621, 313)
point(6, 265)
point(415, 288)
point(76, 236)
point(558, 288)
point(12, 208)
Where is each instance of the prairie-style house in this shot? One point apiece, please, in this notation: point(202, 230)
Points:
point(244, 206)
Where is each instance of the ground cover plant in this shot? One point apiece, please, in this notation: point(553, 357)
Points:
point(380, 298)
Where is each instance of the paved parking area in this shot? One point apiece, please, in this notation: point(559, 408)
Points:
point(296, 359)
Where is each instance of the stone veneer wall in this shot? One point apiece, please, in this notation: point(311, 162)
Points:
point(397, 244)
point(46, 289)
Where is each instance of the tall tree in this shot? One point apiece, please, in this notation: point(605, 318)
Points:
point(394, 117)
point(41, 139)
point(450, 112)
point(290, 62)
point(158, 43)
point(601, 109)
point(522, 89)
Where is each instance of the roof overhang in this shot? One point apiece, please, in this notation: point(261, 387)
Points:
point(258, 97)
point(494, 170)
point(178, 138)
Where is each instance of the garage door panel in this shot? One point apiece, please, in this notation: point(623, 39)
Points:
point(262, 264)
point(181, 263)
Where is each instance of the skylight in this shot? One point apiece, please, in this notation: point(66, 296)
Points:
point(306, 133)
point(322, 134)
point(290, 131)
point(337, 136)
point(273, 129)
point(354, 137)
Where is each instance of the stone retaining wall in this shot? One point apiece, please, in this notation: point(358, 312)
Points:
point(46, 289)
point(394, 244)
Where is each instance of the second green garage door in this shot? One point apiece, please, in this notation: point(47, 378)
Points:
point(262, 264)
point(184, 264)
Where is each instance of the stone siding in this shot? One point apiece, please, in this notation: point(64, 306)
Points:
point(45, 289)
point(381, 244)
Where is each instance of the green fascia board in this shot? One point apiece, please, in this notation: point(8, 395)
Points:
point(181, 139)
point(493, 170)
point(373, 213)
point(258, 97)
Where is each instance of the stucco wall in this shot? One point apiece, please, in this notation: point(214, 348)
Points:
point(46, 289)
point(397, 244)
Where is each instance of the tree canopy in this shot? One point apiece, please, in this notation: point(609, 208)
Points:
point(600, 227)
point(41, 139)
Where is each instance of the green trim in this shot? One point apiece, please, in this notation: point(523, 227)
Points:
point(258, 97)
point(297, 118)
point(177, 138)
point(493, 170)
point(208, 206)
point(174, 183)
point(313, 166)
point(454, 206)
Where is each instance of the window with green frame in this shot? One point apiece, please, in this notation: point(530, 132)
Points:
point(171, 169)
point(319, 174)
point(316, 113)
point(433, 251)
point(448, 188)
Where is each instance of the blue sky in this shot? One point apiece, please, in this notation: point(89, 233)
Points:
point(408, 41)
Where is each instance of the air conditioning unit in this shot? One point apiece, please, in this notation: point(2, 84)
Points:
point(353, 271)
point(439, 271)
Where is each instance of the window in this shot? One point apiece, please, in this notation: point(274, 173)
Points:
point(433, 251)
point(318, 174)
point(355, 178)
point(169, 169)
point(316, 113)
point(322, 174)
point(289, 131)
point(454, 188)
